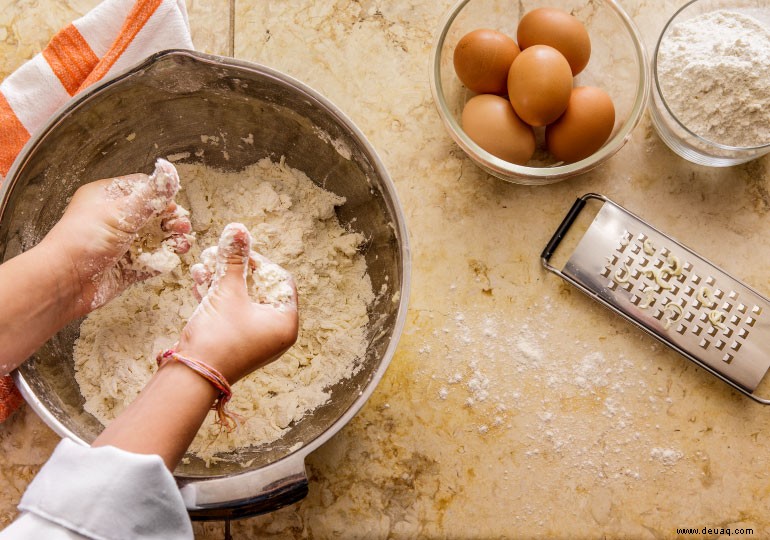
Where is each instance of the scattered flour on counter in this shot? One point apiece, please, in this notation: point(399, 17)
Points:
point(527, 380)
point(590, 371)
point(667, 456)
point(294, 224)
point(714, 71)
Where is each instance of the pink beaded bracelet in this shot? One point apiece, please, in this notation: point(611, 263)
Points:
point(225, 418)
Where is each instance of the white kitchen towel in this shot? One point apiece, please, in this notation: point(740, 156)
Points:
point(113, 36)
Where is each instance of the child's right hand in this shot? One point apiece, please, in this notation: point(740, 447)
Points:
point(228, 330)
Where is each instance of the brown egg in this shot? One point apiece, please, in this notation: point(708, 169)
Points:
point(482, 59)
point(558, 29)
point(490, 121)
point(539, 85)
point(584, 127)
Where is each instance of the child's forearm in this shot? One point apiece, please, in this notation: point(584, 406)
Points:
point(38, 298)
point(165, 417)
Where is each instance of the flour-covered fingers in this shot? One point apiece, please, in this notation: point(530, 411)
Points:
point(141, 197)
point(203, 272)
point(179, 243)
point(176, 219)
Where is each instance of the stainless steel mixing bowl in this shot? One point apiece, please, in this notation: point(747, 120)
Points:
point(167, 103)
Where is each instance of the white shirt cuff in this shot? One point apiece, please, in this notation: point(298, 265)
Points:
point(108, 493)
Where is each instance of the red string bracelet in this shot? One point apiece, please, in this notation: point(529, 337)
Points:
point(225, 418)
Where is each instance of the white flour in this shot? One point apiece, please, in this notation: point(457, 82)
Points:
point(714, 71)
point(294, 224)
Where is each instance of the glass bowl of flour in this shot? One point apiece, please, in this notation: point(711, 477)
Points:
point(711, 82)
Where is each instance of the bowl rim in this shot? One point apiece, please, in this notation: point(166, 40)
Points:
point(292, 464)
point(521, 174)
point(660, 96)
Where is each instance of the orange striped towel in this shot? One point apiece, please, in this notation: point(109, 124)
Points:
point(113, 36)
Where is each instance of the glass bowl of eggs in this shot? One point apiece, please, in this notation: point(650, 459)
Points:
point(535, 92)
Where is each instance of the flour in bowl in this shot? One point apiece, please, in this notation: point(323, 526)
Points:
point(294, 224)
point(714, 72)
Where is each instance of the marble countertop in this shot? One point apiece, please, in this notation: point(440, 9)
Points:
point(515, 406)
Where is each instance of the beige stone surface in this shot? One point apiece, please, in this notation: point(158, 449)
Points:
point(515, 406)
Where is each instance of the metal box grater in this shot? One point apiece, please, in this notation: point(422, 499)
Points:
point(669, 291)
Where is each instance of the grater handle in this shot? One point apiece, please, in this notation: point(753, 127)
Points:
point(566, 223)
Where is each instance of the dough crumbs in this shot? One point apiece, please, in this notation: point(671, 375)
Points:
point(293, 223)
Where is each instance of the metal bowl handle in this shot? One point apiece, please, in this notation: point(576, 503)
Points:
point(250, 494)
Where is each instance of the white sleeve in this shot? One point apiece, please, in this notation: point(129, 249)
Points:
point(101, 493)
point(29, 526)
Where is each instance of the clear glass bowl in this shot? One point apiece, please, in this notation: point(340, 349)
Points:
point(671, 130)
point(618, 65)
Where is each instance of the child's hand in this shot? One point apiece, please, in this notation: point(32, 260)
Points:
point(102, 220)
point(229, 331)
